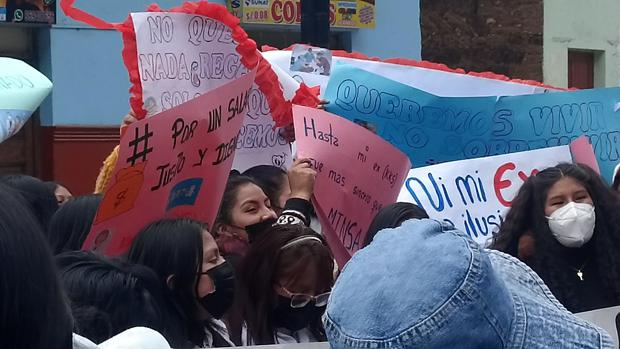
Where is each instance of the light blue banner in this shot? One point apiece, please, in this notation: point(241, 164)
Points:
point(432, 129)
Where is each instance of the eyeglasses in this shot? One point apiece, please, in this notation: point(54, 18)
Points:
point(299, 300)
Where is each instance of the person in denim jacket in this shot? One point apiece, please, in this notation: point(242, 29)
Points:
point(428, 285)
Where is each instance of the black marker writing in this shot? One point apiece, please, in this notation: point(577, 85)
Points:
point(201, 154)
point(168, 171)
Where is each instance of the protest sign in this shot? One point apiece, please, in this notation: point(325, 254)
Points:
point(173, 165)
point(22, 89)
point(181, 56)
point(357, 173)
point(175, 55)
point(583, 153)
point(474, 195)
point(430, 77)
point(260, 142)
point(432, 129)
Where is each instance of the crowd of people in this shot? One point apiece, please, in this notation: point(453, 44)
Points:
point(261, 275)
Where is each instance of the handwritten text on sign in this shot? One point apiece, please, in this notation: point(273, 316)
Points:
point(358, 173)
point(475, 194)
point(433, 129)
point(173, 165)
point(181, 56)
point(260, 142)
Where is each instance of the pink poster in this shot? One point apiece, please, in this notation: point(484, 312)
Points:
point(583, 153)
point(172, 165)
point(358, 173)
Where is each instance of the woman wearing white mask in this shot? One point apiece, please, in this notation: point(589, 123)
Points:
point(565, 224)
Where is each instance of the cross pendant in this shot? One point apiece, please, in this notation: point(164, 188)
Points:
point(580, 275)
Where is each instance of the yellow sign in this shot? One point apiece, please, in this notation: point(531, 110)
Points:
point(342, 13)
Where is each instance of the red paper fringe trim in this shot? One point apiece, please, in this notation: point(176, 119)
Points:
point(266, 79)
point(427, 65)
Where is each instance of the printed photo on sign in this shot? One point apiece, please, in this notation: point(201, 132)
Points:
point(435, 81)
point(312, 60)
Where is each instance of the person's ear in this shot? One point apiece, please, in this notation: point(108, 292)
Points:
point(170, 281)
point(225, 230)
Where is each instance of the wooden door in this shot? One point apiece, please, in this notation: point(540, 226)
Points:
point(581, 69)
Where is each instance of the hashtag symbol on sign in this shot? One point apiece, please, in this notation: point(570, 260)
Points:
point(135, 143)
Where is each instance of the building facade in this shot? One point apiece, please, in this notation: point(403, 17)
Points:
point(559, 42)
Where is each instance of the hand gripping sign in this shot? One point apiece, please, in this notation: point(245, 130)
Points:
point(357, 173)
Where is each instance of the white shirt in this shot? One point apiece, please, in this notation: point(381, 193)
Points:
point(282, 336)
point(219, 327)
point(133, 338)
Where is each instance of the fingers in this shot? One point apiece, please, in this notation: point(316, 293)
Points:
point(302, 162)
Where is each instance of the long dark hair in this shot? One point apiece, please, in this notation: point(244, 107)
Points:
point(264, 263)
point(174, 247)
point(108, 296)
point(34, 312)
point(392, 216)
point(234, 183)
point(270, 179)
point(527, 214)
point(616, 185)
point(40, 198)
point(70, 225)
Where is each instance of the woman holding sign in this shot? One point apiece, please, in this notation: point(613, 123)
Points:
point(564, 223)
point(285, 282)
point(246, 211)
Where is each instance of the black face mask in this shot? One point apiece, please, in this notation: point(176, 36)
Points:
point(295, 319)
point(218, 302)
point(254, 231)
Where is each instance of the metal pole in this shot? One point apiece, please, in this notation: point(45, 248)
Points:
point(315, 22)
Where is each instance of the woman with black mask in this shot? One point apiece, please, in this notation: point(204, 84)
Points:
point(200, 284)
point(246, 211)
point(284, 284)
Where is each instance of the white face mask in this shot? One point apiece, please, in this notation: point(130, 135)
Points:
point(573, 224)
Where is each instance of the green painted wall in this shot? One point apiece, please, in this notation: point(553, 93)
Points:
point(581, 25)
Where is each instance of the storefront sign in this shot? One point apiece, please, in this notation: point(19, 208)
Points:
point(342, 13)
point(28, 11)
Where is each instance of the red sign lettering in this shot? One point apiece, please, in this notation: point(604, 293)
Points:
point(276, 11)
point(499, 184)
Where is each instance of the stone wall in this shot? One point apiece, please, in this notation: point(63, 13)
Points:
point(502, 36)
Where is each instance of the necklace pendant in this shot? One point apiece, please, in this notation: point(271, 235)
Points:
point(580, 275)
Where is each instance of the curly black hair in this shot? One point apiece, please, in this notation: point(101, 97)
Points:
point(527, 215)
